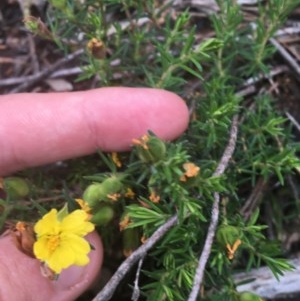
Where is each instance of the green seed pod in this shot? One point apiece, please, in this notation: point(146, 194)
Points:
point(124, 221)
point(98, 192)
point(130, 241)
point(16, 188)
point(111, 185)
point(227, 234)
point(150, 148)
point(157, 148)
point(93, 194)
point(103, 216)
point(248, 296)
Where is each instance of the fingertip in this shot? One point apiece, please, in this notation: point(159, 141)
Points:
point(75, 280)
point(131, 112)
point(38, 129)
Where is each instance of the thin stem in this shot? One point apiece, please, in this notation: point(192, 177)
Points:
point(112, 284)
point(215, 212)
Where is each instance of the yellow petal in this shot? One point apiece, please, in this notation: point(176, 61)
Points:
point(72, 250)
point(48, 224)
point(76, 243)
point(60, 259)
point(76, 223)
point(40, 249)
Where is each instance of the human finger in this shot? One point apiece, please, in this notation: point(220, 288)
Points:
point(37, 129)
point(21, 277)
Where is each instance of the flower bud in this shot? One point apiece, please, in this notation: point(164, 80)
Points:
point(97, 48)
point(103, 216)
point(38, 27)
point(227, 234)
point(150, 148)
point(131, 241)
point(248, 296)
point(15, 188)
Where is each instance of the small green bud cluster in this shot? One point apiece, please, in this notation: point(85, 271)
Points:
point(99, 197)
point(99, 192)
point(150, 148)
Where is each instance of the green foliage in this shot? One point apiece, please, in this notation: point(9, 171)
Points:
point(157, 49)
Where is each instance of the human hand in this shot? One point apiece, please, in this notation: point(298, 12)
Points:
point(37, 129)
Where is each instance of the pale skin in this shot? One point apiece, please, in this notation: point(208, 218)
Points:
point(37, 129)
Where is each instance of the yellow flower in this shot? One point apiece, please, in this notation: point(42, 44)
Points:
point(60, 243)
point(116, 160)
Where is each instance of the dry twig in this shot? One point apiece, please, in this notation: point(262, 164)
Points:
point(287, 30)
point(253, 201)
point(136, 289)
point(33, 56)
point(215, 212)
point(31, 80)
point(290, 60)
point(267, 286)
point(293, 120)
point(112, 284)
point(275, 71)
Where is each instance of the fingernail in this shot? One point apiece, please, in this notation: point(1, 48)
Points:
point(72, 277)
point(82, 276)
